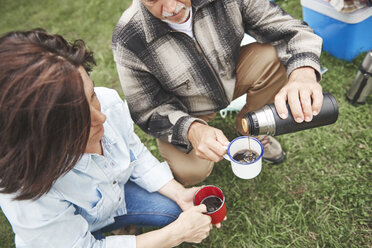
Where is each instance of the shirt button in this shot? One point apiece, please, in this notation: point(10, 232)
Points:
point(119, 198)
point(112, 163)
point(114, 182)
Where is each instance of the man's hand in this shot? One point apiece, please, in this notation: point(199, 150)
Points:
point(302, 86)
point(209, 142)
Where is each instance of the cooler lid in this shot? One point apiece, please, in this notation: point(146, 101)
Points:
point(325, 8)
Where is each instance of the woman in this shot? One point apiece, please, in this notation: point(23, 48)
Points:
point(71, 165)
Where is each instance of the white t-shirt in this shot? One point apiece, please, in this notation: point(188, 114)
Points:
point(185, 27)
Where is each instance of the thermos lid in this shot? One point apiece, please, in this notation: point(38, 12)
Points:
point(245, 125)
point(366, 65)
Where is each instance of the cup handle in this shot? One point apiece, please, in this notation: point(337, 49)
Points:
point(227, 157)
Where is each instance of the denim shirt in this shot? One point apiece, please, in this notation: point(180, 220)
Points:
point(89, 196)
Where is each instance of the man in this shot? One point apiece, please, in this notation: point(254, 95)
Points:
point(180, 61)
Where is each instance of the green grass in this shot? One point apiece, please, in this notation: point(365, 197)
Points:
point(321, 195)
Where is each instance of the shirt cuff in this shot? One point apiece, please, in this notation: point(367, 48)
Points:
point(121, 241)
point(179, 138)
point(302, 60)
point(155, 178)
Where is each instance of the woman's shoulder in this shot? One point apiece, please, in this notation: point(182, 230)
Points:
point(107, 96)
point(114, 107)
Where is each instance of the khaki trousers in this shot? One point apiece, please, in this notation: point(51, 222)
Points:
point(260, 74)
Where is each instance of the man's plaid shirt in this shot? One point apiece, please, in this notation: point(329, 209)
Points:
point(169, 79)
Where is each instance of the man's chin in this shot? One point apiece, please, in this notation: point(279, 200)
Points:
point(170, 22)
point(184, 18)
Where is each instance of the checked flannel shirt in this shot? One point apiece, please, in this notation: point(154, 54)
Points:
point(169, 79)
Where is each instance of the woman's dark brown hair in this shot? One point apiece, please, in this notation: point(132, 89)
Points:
point(44, 113)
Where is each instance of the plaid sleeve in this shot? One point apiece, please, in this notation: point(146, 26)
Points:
point(295, 42)
point(155, 111)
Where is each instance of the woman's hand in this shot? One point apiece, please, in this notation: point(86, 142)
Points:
point(185, 200)
point(182, 196)
point(192, 225)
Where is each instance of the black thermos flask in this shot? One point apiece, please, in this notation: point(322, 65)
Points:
point(267, 121)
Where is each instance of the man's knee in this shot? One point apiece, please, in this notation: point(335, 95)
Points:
point(188, 169)
point(264, 53)
point(255, 60)
point(192, 176)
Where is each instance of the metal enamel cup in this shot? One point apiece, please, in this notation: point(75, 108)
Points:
point(219, 213)
point(245, 170)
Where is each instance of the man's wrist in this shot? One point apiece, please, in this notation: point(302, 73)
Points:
point(195, 125)
point(301, 72)
point(304, 69)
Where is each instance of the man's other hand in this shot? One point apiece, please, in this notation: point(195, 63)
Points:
point(209, 142)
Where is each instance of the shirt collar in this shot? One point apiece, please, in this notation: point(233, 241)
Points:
point(109, 138)
point(109, 134)
point(155, 28)
point(200, 3)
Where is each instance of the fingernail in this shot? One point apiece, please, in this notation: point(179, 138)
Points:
point(307, 119)
point(299, 120)
point(283, 116)
point(315, 113)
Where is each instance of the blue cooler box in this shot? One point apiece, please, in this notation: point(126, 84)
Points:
point(345, 35)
